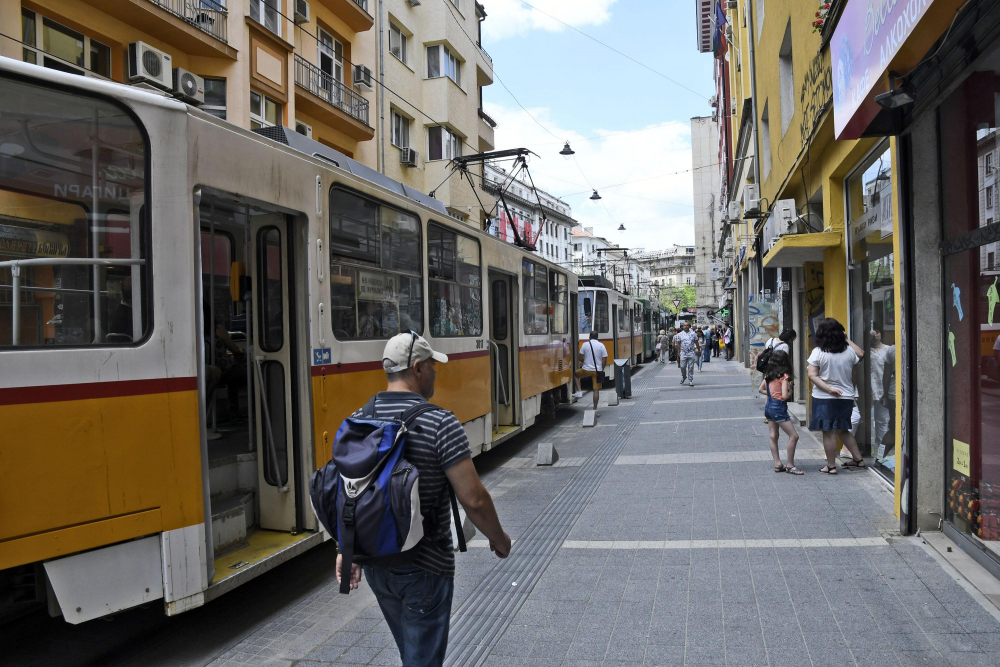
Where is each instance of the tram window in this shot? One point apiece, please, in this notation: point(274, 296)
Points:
point(601, 319)
point(585, 323)
point(622, 317)
point(455, 273)
point(271, 306)
point(559, 300)
point(50, 211)
point(536, 304)
point(222, 260)
point(500, 307)
point(383, 295)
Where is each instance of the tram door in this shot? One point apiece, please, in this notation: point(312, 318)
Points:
point(503, 341)
point(271, 365)
point(614, 329)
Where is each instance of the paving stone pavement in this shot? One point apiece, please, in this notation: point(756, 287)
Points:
point(689, 551)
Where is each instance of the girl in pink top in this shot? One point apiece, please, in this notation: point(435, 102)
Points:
point(777, 386)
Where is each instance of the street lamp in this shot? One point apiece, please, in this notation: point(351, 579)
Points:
point(595, 196)
point(621, 227)
point(567, 151)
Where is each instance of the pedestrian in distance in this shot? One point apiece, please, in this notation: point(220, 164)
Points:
point(663, 346)
point(727, 338)
point(593, 356)
point(831, 366)
point(703, 348)
point(715, 342)
point(706, 345)
point(688, 351)
point(416, 598)
point(777, 386)
point(671, 332)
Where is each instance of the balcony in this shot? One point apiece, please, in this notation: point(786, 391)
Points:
point(486, 138)
point(785, 248)
point(330, 101)
point(352, 12)
point(194, 27)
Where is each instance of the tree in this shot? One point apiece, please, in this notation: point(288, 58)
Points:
point(686, 294)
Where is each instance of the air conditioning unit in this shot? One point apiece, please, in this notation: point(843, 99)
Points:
point(734, 210)
point(786, 218)
point(189, 86)
point(729, 32)
point(732, 4)
point(408, 157)
point(362, 76)
point(713, 101)
point(149, 65)
point(751, 198)
point(301, 12)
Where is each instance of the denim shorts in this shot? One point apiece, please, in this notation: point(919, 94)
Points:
point(776, 411)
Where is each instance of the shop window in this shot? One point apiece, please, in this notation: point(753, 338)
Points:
point(50, 211)
point(559, 298)
point(375, 281)
point(53, 45)
point(534, 279)
point(454, 270)
point(215, 97)
point(870, 213)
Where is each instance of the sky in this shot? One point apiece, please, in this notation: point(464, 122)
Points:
point(626, 123)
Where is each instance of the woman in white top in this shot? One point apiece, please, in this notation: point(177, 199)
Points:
point(831, 367)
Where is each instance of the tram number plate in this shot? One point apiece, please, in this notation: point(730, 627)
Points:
point(321, 356)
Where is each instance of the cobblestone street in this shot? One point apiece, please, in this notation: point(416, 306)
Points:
point(661, 537)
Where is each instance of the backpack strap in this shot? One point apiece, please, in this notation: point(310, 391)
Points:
point(410, 414)
point(368, 411)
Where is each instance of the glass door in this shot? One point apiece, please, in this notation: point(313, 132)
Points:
point(331, 66)
point(870, 211)
point(502, 342)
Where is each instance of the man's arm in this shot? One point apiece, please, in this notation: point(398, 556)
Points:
point(478, 504)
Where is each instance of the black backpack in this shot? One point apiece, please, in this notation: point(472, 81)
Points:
point(764, 358)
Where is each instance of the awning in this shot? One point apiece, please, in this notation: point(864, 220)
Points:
point(793, 250)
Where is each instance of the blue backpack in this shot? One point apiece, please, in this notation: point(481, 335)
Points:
point(367, 496)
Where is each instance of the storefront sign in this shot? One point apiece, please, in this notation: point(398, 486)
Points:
point(376, 286)
point(960, 457)
point(873, 37)
point(21, 242)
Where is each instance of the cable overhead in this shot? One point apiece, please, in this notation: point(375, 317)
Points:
point(611, 48)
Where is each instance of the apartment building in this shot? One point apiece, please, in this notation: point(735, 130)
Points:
point(597, 256)
point(535, 213)
point(707, 211)
point(674, 266)
point(256, 63)
point(311, 65)
point(434, 71)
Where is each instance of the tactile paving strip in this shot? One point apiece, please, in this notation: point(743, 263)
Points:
point(480, 621)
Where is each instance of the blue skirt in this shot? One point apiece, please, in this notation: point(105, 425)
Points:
point(831, 414)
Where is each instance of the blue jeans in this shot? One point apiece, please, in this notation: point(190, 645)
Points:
point(417, 607)
point(707, 354)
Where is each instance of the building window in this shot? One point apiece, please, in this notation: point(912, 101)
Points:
point(765, 145)
point(215, 97)
point(264, 112)
point(442, 62)
point(990, 260)
point(534, 280)
point(265, 12)
point(786, 79)
point(989, 196)
point(455, 283)
point(443, 144)
point(61, 48)
point(400, 130)
point(397, 42)
point(989, 163)
point(303, 129)
point(375, 283)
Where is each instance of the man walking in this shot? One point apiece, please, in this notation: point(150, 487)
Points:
point(593, 356)
point(688, 351)
point(416, 598)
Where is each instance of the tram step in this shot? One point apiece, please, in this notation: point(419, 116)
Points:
point(228, 474)
point(232, 516)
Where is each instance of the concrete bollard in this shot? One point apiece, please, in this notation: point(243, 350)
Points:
point(547, 454)
point(589, 417)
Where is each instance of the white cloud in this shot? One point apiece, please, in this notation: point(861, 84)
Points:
point(508, 18)
point(655, 205)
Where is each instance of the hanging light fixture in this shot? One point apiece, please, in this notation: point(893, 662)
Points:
point(621, 227)
point(595, 196)
point(567, 151)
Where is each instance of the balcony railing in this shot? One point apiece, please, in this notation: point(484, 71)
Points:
point(325, 87)
point(486, 117)
point(206, 15)
point(363, 4)
point(488, 57)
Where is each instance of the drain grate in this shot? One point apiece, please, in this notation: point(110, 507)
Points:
point(482, 618)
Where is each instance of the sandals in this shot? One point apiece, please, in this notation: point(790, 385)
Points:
point(780, 468)
point(793, 470)
point(854, 463)
point(828, 470)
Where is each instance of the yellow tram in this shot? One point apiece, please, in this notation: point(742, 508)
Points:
point(187, 312)
point(616, 317)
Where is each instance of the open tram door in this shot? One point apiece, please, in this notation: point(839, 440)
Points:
point(614, 330)
point(503, 348)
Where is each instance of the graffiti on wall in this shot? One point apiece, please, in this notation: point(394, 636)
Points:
point(764, 324)
point(816, 93)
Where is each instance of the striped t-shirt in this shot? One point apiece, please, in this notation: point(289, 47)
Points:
point(435, 442)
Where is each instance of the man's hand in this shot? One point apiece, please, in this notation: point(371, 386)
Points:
point(502, 549)
point(355, 572)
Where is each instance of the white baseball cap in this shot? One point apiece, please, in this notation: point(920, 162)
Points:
point(405, 349)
